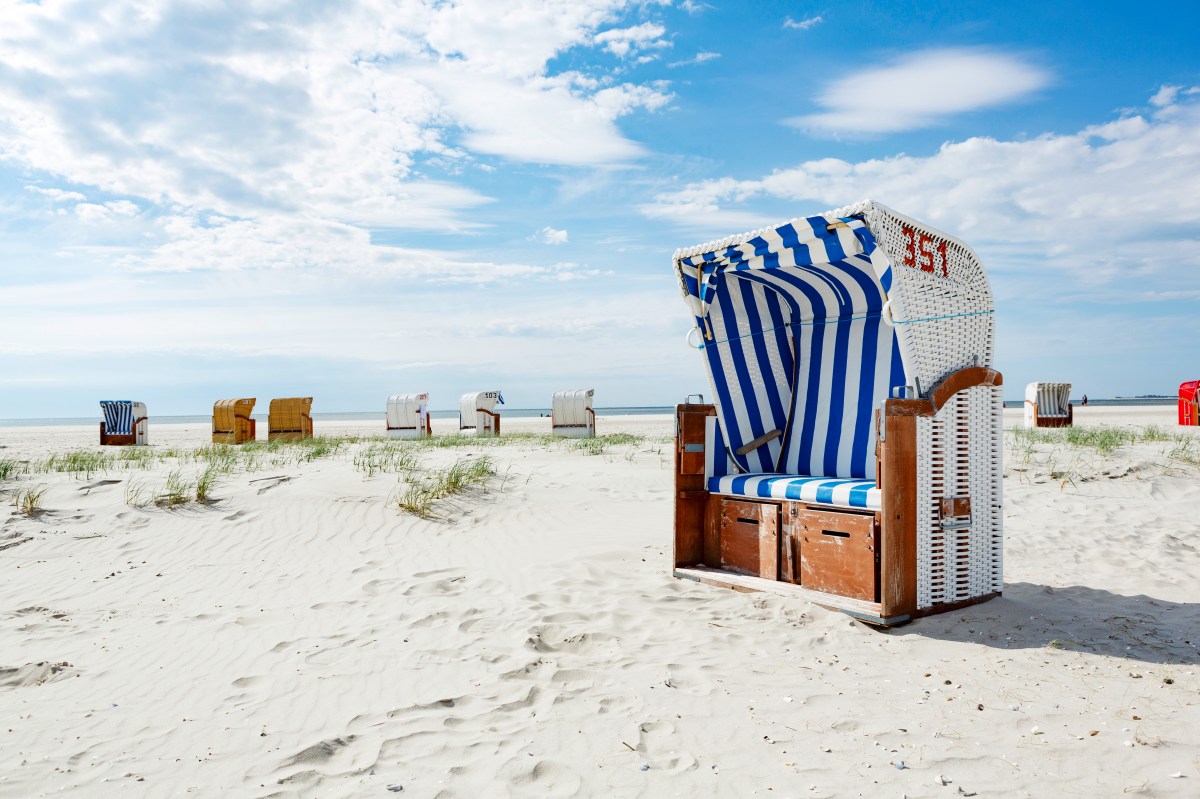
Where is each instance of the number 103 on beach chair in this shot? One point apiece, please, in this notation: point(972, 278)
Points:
point(853, 453)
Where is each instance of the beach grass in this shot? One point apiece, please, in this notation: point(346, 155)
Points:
point(28, 501)
point(423, 491)
point(9, 468)
point(206, 481)
point(175, 492)
point(78, 462)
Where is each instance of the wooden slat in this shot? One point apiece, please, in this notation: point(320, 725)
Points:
point(691, 495)
point(867, 611)
point(898, 521)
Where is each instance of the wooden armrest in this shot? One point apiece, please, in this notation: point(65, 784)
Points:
point(955, 382)
point(758, 442)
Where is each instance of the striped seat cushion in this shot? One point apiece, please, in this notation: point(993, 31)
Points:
point(823, 490)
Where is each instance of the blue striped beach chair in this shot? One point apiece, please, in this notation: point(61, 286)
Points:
point(477, 414)
point(852, 454)
point(125, 422)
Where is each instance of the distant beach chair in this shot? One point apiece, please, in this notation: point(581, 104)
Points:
point(231, 421)
point(1048, 405)
point(475, 413)
point(408, 416)
point(571, 413)
point(853, 454)
point(125, 423)
point(288, 418)
point(1189, 403)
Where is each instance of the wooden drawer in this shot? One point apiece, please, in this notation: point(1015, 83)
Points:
point(833, 552)
point(744, 536)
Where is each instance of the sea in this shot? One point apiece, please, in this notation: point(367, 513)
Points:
point(516, 413)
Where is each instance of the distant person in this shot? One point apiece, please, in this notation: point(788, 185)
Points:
point(1085, 399)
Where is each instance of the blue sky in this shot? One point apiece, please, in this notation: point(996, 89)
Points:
point(350, 200)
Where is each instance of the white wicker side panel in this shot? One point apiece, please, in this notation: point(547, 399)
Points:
point(996, 475)
point(959, 455)
point(931, 550)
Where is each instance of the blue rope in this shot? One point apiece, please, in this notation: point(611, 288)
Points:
point(813, 323)
point(840, 319)
point(936, 318)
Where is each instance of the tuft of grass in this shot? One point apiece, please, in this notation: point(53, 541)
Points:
point(85, 462)
point(385, 456)
point(221, 458)
point(1186, 449)
point(29, 500)
point(463, 475)
point(9, 468)
point(136, 457)
point(206, 482)
point(175, 492)
point(136, 494)
point(417, 500)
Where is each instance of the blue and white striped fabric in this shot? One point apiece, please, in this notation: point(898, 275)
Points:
point(823, 490)
point(118, 417)
point(795, 342)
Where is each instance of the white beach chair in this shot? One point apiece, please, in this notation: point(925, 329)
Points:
point(853, 453)
point(476, 414)
point(571, 413)
point(1048, 405)
point(408, 416)
point(125, 422)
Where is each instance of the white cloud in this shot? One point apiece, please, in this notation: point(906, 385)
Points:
point(699, 58)
point(920, 90)
point(322, 109)
point(549, 235)
point(804, 24)
point(57, 195)
point(1103, 205)
point(623, 42)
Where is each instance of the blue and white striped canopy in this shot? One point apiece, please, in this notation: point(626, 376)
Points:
point(795, 343)
point(118, 416)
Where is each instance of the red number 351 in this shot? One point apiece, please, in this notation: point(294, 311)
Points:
point(919, 250)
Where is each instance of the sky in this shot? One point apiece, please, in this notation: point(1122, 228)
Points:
point(349, 200)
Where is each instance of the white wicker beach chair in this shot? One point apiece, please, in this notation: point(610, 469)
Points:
point(571, 413)
point(125, 422)
point(1048, 405)
point(408, 416)
point(853, 454)
point(476, 413)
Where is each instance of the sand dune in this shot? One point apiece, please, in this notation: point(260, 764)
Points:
point(300, 636)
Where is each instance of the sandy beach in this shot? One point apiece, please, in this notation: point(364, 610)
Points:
point(298, 634)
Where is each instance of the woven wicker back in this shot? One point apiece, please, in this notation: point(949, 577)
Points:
point(226, 411)
point(289, 415)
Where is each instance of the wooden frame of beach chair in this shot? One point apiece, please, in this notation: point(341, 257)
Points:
point(125, 423)
point(1189, 403)
point(853, 455)
point(475, 413)
point(232, 422)
point(408, 416)
point(1048, 405)
point(571, 413)
point(288, 418)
